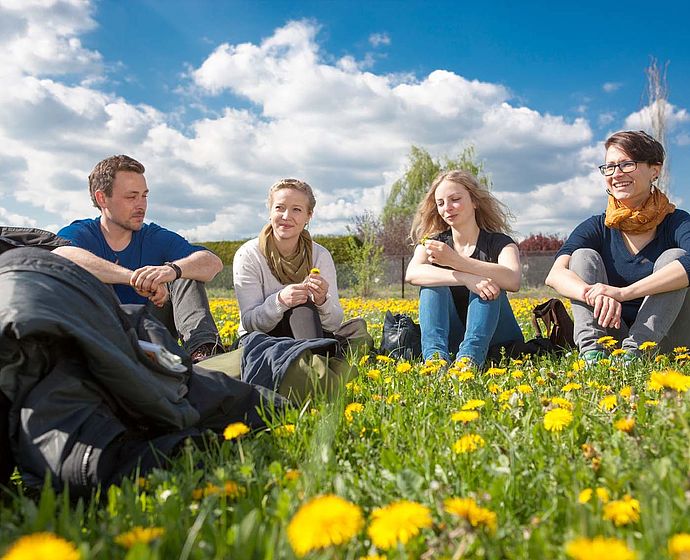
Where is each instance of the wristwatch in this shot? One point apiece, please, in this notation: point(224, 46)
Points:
point(177, 269)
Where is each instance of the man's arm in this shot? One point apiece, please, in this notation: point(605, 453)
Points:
point(200, 265)
point(107, 272)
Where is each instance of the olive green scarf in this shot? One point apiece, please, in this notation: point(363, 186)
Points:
point(288, 269)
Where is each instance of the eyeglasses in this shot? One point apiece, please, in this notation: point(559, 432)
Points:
point(609, 169)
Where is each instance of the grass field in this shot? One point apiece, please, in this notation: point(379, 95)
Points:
point(534, 459)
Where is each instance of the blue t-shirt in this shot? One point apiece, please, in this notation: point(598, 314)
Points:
point(151, 245)
point(622, 267)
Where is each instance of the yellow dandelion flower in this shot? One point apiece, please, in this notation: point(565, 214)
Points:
point(398, 523)
point(603, 495)
point(622, 512)
point(505, 395)
point(493, 388)
point(42, 546)
point(468, 509)
point(387, 379)
point(571, 387)
point(661, 358)
point(363, 360)
point(465, 416)
point(562, 403)
point(494, 371)
point(608, 403)
point(314, 271)
point(606, 340)
point(393, 398)
point(679, 546)
point(139, 535)
point(599, 548)
point(585, 496)
point(588, 451)
point(352, 409)
point(516, 362)
point(626, 392)
point(354, 387)
point(374, 374)
point(468, 443)
point(373, 557)
point(618, 352)
point(680, 350)
point(517, 374)
point(324, 521)
point(462, 375)
point(473, 404)
point(284, 431)
point(625, 425)
point(384, 359)
point(606, 362)
point(540, 381)
point(403, 367)
point(423, 240)
point(648, 345)
point(292, 474)
point(557, 418)
point(670, 379)
point(678, 358)
point(235, 430)
point(524, 389)
point(578, 365)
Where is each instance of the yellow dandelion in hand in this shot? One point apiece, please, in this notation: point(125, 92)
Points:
point(648, 345)
point(468, 509)
point(42, 546)
point(468, 443)
point(599, 548)
point(556, 419)
point(473, 404)
point(625, 425)
point(403, 367)
point(608, 403)
point(679, 546)
point(352, 409)
point(622, 512)
point(314, 271)
point(138, 535)
point(398, 523)
point(235, 430)
point(465, 416)
point(585, 496)
point(322, 522)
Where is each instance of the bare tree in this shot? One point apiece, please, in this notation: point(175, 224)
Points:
point(657, 97)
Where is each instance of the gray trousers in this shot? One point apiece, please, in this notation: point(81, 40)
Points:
point(662, 318)
point(187, 315)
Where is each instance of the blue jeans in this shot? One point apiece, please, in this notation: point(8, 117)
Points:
point(443, 332)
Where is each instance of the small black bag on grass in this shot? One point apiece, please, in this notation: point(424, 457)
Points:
point(558, 326)
point(401, 338)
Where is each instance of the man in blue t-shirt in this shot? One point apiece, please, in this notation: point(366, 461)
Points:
point(146, 263)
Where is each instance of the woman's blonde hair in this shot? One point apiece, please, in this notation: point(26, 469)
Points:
point(295, 184)
point(491, 214)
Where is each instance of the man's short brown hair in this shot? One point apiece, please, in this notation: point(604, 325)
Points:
point(103, 175)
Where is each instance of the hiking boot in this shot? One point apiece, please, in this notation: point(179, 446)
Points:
point(592, 357)
point(206, 351)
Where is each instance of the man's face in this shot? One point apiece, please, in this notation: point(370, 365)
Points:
point(127, 205)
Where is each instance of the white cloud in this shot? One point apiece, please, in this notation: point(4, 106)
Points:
point(683, 139)
point(334, 123)
point(378, 39)
point(642, 119)
point(610, 87)
point(605, 119)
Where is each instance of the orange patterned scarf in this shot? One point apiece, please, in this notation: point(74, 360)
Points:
point(638, 220)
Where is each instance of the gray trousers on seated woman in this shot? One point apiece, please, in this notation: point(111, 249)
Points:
point(662, 318)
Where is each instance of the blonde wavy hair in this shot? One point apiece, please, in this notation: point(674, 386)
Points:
point(491, 214)
point(297, 185)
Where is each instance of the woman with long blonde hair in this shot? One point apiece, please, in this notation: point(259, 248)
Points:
point(465, 263)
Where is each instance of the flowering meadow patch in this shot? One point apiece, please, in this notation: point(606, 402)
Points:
point(538, 457)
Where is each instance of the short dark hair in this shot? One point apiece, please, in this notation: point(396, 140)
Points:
point(639, 145)
point(103, 175)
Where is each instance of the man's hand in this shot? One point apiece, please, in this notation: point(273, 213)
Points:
point(599, 289)
point(159, 297)
point(149, 278)
point(608, 311)
point(294, 295)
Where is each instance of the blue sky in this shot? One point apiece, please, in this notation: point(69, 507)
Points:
point(220, 99)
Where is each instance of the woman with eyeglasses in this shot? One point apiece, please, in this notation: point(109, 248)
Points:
point(465, 263)
point(284, 282)
point(626, 271)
